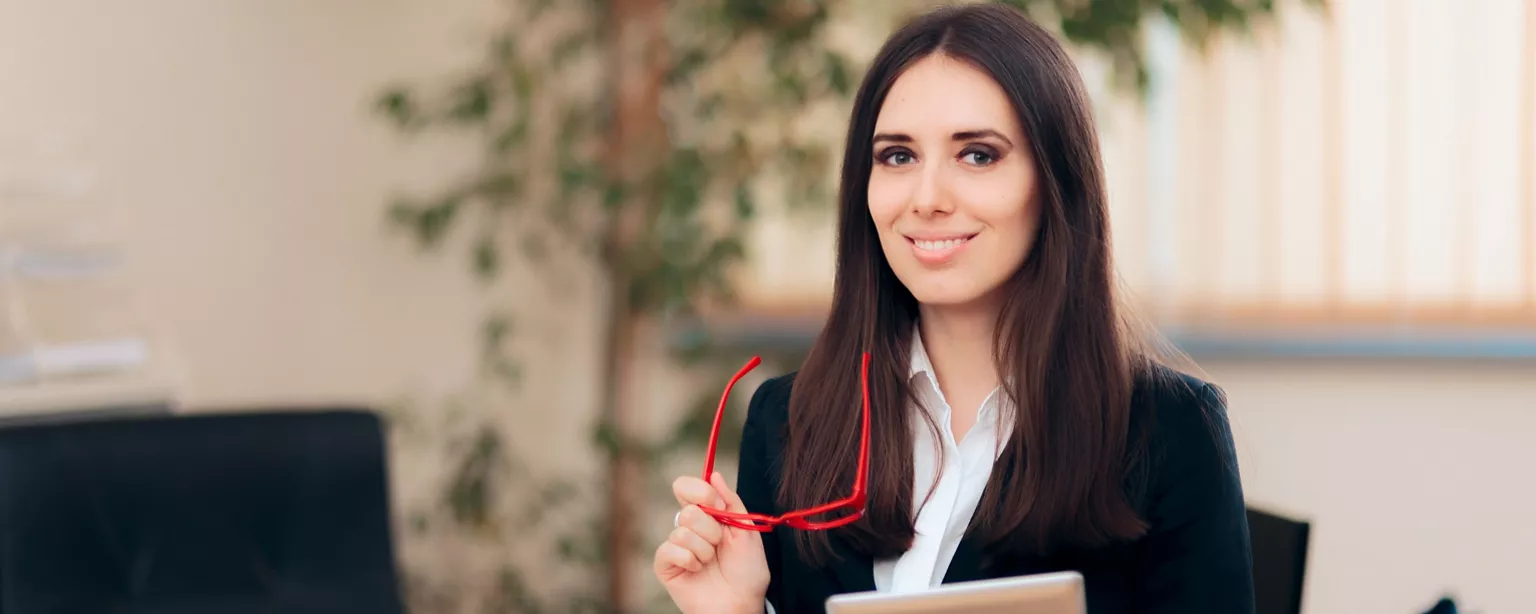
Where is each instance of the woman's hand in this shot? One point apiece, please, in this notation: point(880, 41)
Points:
point(708, 567)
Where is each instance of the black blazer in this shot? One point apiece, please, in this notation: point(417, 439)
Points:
point(1194, 559)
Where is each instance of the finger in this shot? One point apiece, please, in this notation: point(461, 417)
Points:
point(702, 550)
point(690, 490)
point(731, 499)
point(671, 557)
point(702, 524)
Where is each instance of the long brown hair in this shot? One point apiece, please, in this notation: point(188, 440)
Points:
point(1068, 362)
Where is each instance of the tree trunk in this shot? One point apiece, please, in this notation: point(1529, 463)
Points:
point(636, 144)
point(623, 468)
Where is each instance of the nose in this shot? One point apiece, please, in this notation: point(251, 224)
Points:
point(929, 198)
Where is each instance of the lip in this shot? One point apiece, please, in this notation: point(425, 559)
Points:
point(931, 256)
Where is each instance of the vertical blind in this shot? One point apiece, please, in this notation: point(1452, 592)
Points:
point(1371, 162)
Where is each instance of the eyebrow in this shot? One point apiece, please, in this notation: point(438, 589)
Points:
point(965, 135)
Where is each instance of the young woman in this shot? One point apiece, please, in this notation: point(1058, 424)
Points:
point(1017, 424)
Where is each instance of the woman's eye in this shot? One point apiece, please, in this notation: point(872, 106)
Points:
point(977, 158)
point(897, 157)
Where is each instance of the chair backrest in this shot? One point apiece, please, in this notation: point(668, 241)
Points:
point(216, 513)
point(1279, 561)
point(84, 414)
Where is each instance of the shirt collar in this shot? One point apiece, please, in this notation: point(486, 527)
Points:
point(928, 399)
point(920, 362)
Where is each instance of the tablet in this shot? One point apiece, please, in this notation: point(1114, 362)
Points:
point(1052, 593)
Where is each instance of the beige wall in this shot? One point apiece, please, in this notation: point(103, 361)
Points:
point(1416, 477)
point(245, 181)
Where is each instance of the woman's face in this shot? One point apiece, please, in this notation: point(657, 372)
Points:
point(952, 190)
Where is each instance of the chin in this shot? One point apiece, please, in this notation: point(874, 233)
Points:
point(944, 297)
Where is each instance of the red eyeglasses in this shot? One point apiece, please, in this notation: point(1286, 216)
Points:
point(854, 503)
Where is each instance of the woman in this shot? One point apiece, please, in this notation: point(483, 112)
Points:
point(1018, 425)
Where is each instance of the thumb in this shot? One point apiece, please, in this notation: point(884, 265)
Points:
point(732, 500)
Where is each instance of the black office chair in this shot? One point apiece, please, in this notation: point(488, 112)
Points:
point(1279, 561)
point(236, 513)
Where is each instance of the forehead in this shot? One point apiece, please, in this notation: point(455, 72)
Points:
point(940, 94)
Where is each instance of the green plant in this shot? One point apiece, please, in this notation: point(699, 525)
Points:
point(630, 140)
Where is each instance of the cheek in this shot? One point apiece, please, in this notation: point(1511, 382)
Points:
point(1009, 210)
point(887, 199)
point(1004, 203)
point(1017, 226)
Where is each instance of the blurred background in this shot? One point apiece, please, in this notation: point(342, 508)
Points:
point(538, 236)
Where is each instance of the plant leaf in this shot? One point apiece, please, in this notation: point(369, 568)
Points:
point(472, 101)
point(487, 258)
point(399, 106)
point(746, 204)
point(839, 76)
point(433, 223)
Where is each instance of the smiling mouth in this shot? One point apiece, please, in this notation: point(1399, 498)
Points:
point(937, 245)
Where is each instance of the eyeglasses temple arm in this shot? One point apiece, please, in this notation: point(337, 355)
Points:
point(714, 431)
point(860, 475)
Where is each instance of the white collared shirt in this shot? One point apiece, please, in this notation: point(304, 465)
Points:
point(944, 514)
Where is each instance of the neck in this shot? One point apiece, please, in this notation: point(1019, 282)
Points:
point(959, 344)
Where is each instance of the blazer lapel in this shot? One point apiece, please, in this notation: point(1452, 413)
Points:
point(970, 563)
